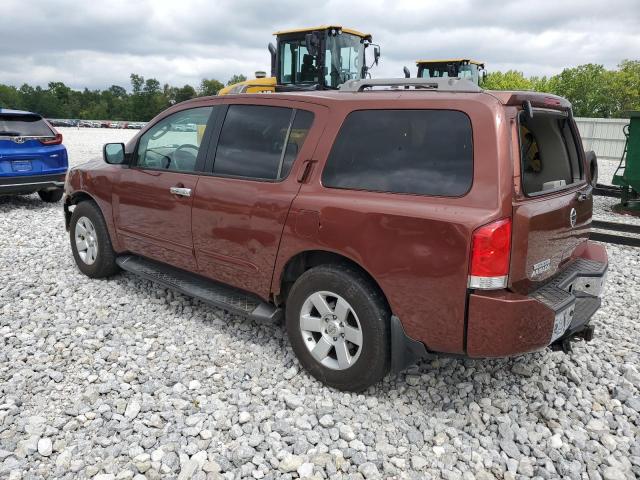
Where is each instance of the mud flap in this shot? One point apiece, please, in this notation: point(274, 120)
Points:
point(405, 351)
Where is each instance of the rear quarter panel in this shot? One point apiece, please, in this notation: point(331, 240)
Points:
point(415, 247)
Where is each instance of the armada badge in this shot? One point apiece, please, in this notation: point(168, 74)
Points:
point(572, 217)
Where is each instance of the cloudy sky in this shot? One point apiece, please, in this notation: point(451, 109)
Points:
point(99, 43)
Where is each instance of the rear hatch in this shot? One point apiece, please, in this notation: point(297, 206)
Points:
point(553, 202)
point(29, 146)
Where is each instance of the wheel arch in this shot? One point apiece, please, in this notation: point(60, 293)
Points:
point(78, 196)
point(307, 259)
point(73, 199)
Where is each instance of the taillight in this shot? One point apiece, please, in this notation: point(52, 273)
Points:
point(57, 140)
point(490, 254)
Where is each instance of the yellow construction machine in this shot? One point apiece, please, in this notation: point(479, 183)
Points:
point(319, 58)
point(456, 67)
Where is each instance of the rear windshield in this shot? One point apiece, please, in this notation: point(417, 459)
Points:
point(548, 152)
point(423, 152)
point(23, 126)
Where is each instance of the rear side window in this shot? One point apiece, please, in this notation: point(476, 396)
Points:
point(24, 126)
point(548, 153)
point(299, 130)
point(423, 152)
point(260, 142)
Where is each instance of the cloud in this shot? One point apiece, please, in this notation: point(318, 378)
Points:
point(96, 44)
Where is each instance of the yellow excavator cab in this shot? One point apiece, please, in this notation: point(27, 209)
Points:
point(453, 67)
point(316, 58)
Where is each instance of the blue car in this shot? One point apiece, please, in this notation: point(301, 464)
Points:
point(32, 157)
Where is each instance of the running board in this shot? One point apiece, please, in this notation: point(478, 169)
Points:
point(208, 291)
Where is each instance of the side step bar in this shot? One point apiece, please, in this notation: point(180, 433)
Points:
point(213, 293)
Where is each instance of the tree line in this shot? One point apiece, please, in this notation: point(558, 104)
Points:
point(145, 99)
point(593, 90)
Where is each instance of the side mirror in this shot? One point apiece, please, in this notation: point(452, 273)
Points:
point(407, 73)
point(113, 153)
point(376, 54)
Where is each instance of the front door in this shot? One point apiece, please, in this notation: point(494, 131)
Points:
point(153, 199)
point(240, 208)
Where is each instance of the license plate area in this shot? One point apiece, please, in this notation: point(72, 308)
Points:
point(562, 322)
point(21, 165)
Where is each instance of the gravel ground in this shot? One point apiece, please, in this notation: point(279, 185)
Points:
point(123, 379)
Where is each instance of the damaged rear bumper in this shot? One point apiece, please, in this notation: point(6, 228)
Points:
point(503, 323)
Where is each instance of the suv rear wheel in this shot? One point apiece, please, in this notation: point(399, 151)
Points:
point(338, 326)
point(90, 242)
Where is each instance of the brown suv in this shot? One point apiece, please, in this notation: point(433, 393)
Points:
point(384, 224)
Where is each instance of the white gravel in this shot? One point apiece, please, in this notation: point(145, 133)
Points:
point(122, 379)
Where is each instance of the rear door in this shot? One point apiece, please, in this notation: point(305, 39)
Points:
point(152, 200)
point(241, 206)
point(29, 146)
point(553, 201)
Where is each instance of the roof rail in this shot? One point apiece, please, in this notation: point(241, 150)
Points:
point(451, 84)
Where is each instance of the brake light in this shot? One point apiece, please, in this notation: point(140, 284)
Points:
point(57, 140)
point(490, 254)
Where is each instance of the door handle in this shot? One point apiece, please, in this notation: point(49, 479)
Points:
point(181, 191)
point(306, 171)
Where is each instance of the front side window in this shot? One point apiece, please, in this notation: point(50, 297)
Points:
point(423, 152)
point(344, 57)
point(174, 142)
point(260, 142)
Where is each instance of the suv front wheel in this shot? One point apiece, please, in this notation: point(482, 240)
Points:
point(338, 326)
point(90, 242)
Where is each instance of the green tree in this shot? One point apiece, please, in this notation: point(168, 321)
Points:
point(10, 97)
point(588, 88)
point(185, 93)
point(626, 87)
point(209, 87)
point(509, 80)
point(137, 82)
point(237, 78)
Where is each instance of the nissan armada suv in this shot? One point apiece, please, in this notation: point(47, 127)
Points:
point(383, 224)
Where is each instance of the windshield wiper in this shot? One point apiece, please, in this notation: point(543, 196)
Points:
point(9, 134)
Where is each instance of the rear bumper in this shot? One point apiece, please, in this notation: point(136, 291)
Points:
point(502, 323)
point(30, 183)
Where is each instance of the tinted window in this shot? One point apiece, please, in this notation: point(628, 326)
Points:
point(173, 143)
point(426, 152)
point(253, 138)
point(299, 130)
point(24, 126)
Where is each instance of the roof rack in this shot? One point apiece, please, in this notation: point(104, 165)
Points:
point(451, 84)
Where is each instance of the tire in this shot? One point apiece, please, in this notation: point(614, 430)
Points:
point(592, 161)
point(51, 196)
point(100, 260)
point(369, 314)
